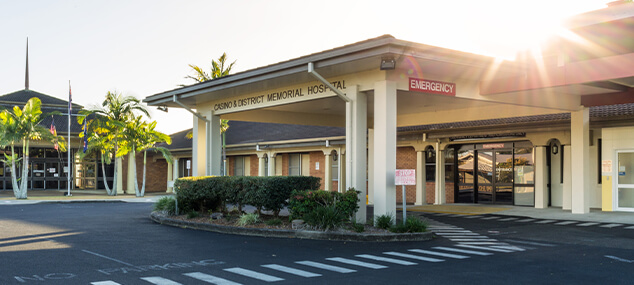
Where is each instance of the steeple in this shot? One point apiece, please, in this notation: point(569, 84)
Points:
point(26, 75)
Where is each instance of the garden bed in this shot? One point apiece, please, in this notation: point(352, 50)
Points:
point(227, 225)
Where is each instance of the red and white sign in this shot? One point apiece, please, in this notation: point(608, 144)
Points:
point(405, 177)
point(430, 86)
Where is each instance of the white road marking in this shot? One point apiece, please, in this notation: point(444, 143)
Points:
point(611, 225)
point(508, 219)
point(509, 247)
point(109, 258)
point(428, 259)
point(483, 248)
point(619, 259)
point(356, 262)
point(465, 236)
point(525, 220)
point(210, 278)
point(473, 217)
point(386, 259)
point(439, 253)
point(490, 218)
point(462, 250)
point(471, 239)
point(483, 243)
point(566, 223)
point(253, 274)
point(159, 280)
point(442, 214)
point(326, 266)
point(545, 221)
point(291, 270)
point(529, 242)
point(630, 228)
point(458, 234)
point(587, 224)
point(452, 231)
point(105, 283)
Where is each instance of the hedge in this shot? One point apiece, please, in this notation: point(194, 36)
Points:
point(303, 202)
point(265, 193)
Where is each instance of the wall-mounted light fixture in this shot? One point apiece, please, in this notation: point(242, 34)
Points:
point(162, 108)
point(266, 158)
point(327, 143)
point(334, 155)
point(554, 149)
point(257, 147)
point(388, 63)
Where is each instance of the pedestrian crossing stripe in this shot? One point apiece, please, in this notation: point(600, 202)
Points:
point(386, 259)
point(545, 221)
point(105, 283)
point(457, 234)
point(490, 218)
point(423, 258)
point(253, 274)
point(587, 224)
point(210, 278)
point(462, 250)
point(485, 248)
point(439, 253)
point(159, 281)
point(508, 219)
point(356, 262)
point(326, 266)
point(291, 270)
point(471, 239)
point(566, 223)
point(611, 225)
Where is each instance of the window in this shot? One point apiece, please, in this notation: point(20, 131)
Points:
point(294, 164)
point(238, 166)
point(266, 165)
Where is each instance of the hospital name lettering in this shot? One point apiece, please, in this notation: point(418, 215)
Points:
point(279, 96)
point(430, 86)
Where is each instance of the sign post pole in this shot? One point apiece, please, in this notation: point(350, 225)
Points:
point(404, 206)
point(405, 177)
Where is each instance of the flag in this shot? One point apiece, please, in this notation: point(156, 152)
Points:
point(54, 132)
point(85, 136)
point(70, 99)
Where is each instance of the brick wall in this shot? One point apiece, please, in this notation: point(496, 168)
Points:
point(255, 165)
point(156, 173)
point(406, 159)
point(318, 157)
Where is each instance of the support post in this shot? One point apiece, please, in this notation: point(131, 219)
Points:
point(356, 146)
point(580, 154)
point(384, 148)
point(421, 195)
point(440, 176)
point(541, 176)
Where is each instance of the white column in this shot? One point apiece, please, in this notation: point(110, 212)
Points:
point(119, 165)
point(356, 146)
point(580, 152)
point(420, 178)
point(131, 171)
point(271, 164)
point(541, 176)
point(384, 148)
point(327, 170)
point(370, 166)
point(175, 168)
point(206, 145)
point(170, 179)
point(261, 163)
point(566, 201)
point(440, 176)
point(342, 172)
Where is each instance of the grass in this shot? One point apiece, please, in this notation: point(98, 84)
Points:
point(248, 219)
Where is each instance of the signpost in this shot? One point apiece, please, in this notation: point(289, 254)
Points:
point(405, 177)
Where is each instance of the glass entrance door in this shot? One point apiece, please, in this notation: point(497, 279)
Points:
point(37, 175)
point(495, 176)
point(625, 181)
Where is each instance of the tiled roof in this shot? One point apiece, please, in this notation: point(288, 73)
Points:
point(50, 104)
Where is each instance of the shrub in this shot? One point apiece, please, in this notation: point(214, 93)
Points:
point(303, 202)
point(211, 193)
point(192, 214)
point(325, 218)
point(166, 205)
point(357, 227)
point(411, 225)
point(384, 221)
point(274, 222)
point(248, 219)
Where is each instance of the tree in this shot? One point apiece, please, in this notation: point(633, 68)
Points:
point(108, 126)
point(217, 70)
point(23, 125)
point(148, 142)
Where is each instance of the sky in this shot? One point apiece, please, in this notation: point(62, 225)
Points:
point(143, 47)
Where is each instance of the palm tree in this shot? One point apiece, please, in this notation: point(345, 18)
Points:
point(148, 142)
point(217, 70)
point(23, 125)
point(109, 123)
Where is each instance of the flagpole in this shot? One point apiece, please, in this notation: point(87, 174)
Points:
point(68, 149)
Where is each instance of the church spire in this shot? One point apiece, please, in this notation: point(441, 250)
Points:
point(26, 75)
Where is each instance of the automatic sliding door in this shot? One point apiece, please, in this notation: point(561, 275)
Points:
point(503, 177)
